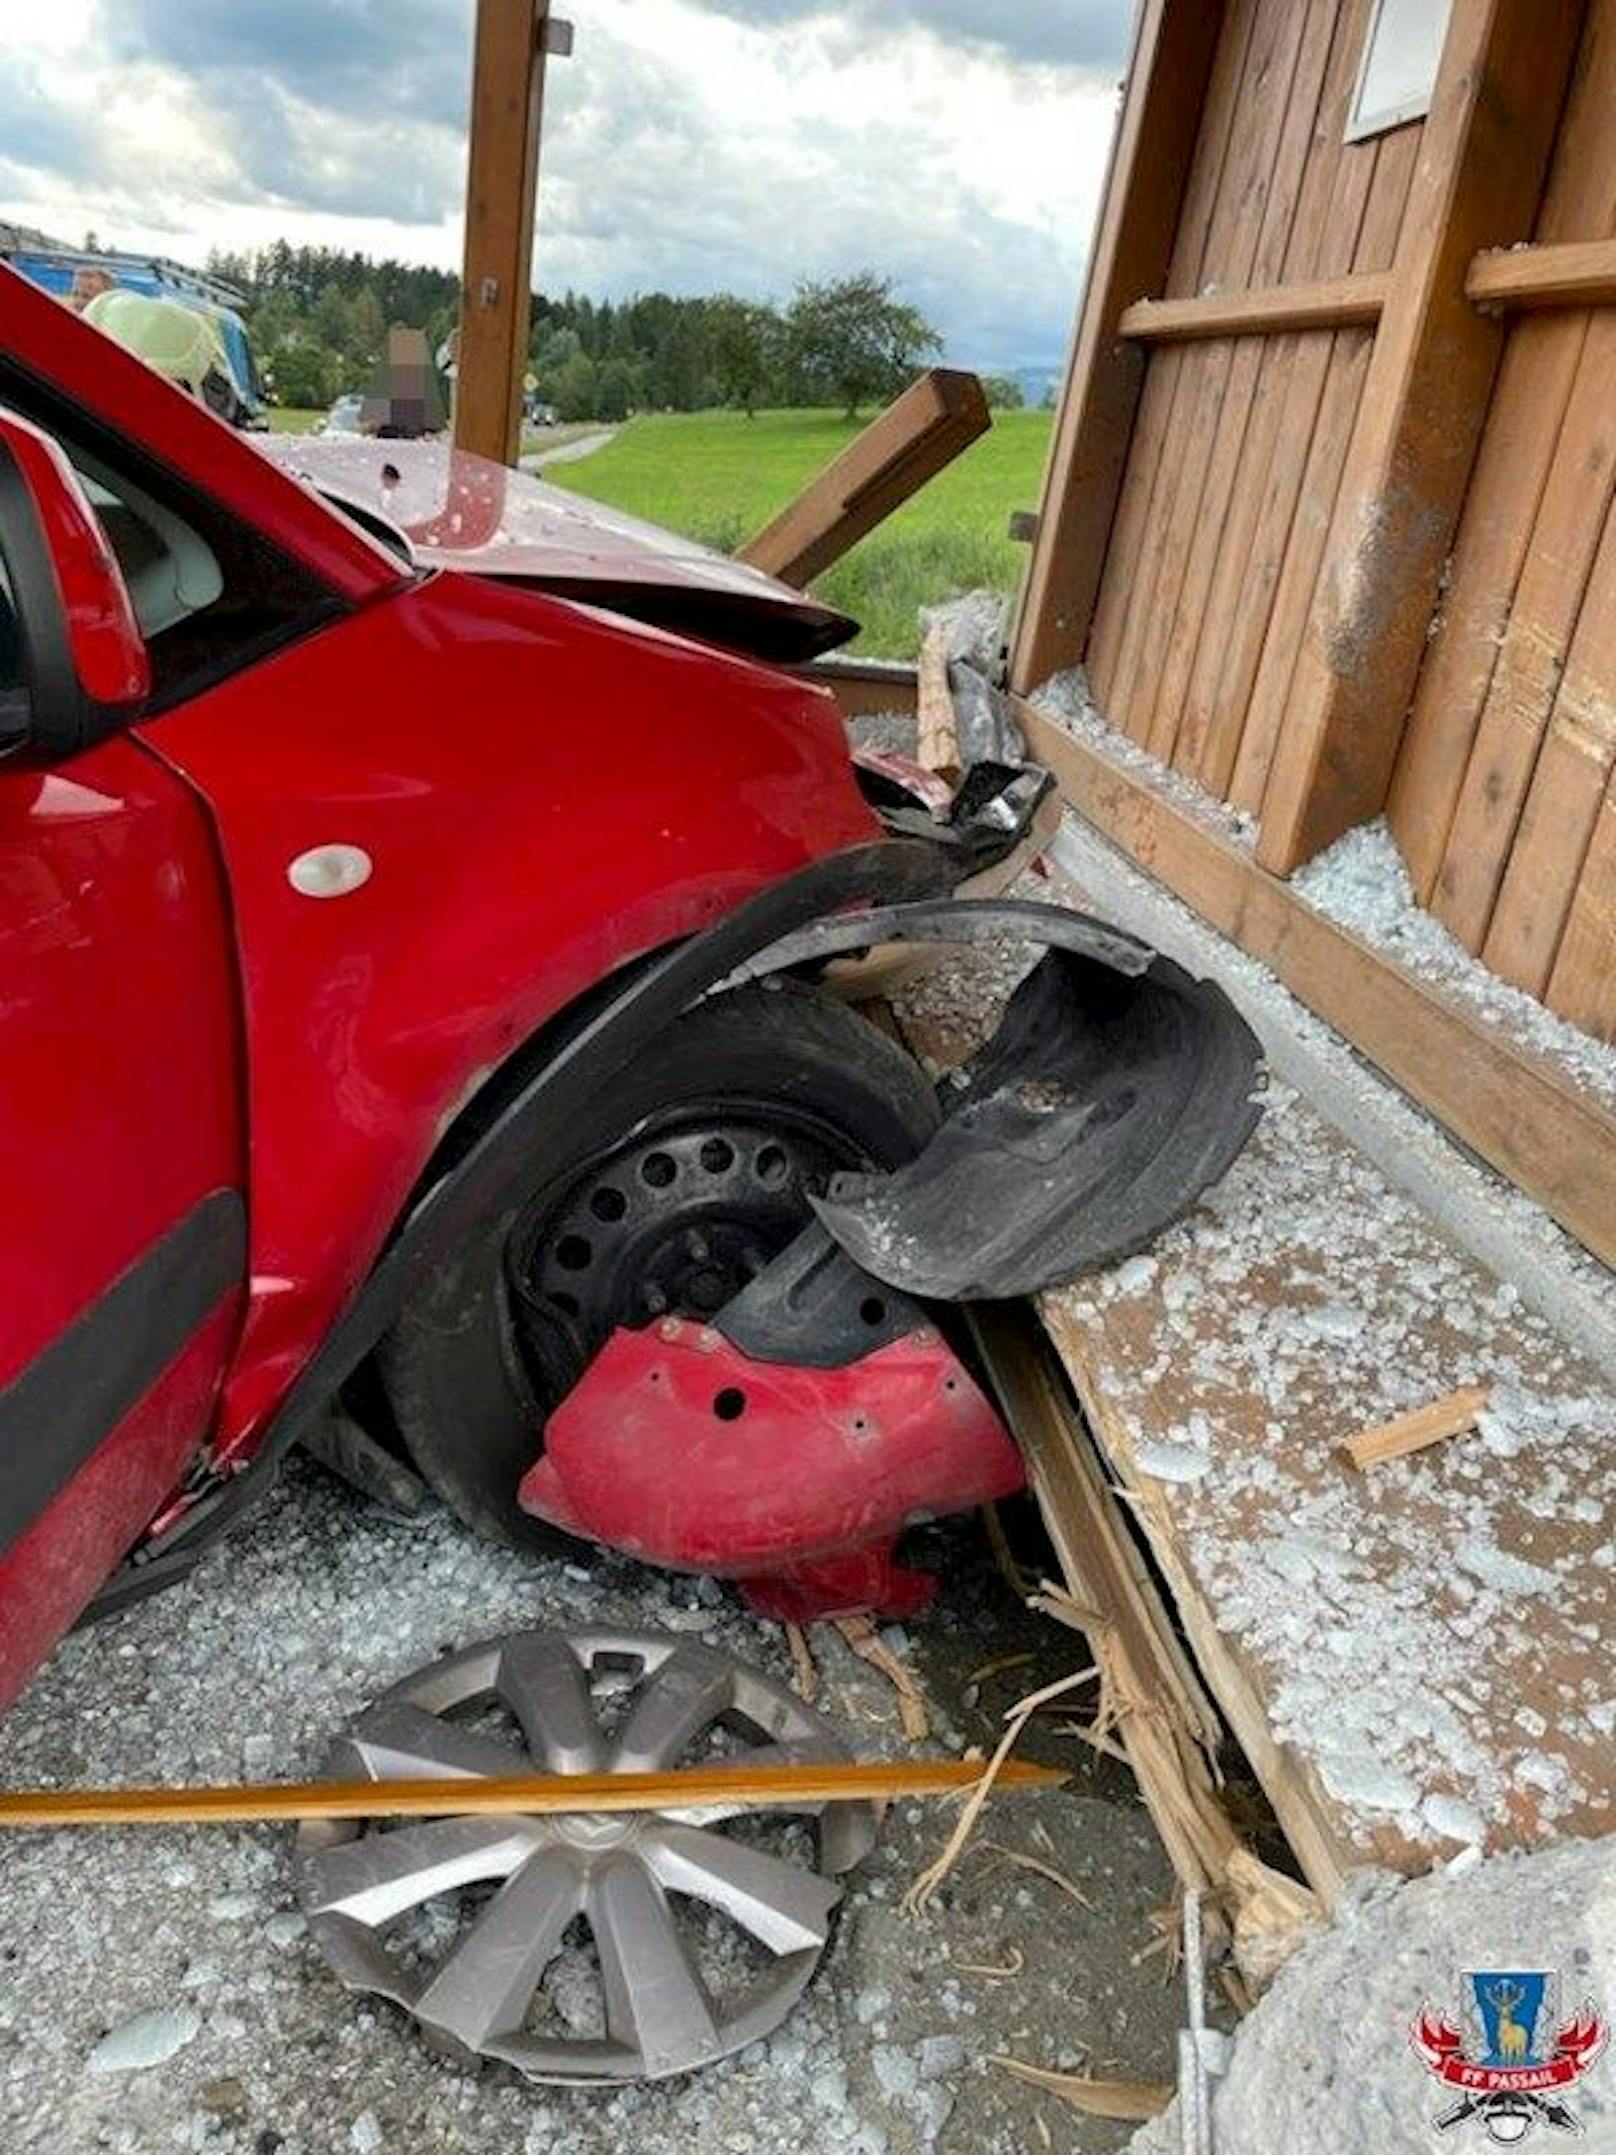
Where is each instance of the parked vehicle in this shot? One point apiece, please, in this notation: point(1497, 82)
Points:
point(78, 275)
point(401, 973)
point(344, 415)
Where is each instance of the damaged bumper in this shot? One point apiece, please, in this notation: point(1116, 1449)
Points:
point(790, 1440)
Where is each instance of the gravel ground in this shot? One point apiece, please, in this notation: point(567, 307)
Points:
point(285, 1633)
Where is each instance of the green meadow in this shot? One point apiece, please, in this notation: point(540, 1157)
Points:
point(719, 477)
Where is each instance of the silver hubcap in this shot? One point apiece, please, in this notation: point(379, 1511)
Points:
point(589, 1946)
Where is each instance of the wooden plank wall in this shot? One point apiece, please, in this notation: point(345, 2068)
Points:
point(1240, 441)
point(1503, 798)
point(1241, 624)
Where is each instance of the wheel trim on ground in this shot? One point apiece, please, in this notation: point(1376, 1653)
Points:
point(615, 1870)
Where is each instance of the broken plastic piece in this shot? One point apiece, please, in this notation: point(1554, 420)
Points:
point(1106, 1103)
point(684, 1451)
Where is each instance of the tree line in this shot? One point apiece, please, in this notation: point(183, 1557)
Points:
point(319, 316)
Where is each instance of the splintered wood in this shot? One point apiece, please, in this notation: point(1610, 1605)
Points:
point(1443, 1418)
point(939, 748)
point(998, 1767)
point(868, 1644)
point(1129, 2100)
point(1151, 1700)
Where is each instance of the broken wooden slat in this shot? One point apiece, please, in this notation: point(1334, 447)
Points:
point(1158, 1708)
point(1353, 301)
point(939, 748)
point(1576, 273)
point(542, 1795)
point(913, 439)
point(1450, 1416)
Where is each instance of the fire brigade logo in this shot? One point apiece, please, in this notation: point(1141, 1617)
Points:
point(1514, 2060)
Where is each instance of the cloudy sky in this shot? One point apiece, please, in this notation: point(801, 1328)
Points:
point(958, 145)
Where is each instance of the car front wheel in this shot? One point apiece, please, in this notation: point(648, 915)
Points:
point(690, 1173)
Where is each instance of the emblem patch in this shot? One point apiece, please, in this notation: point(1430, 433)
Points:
point(1512, 2060)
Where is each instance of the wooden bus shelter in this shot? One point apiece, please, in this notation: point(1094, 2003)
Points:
point(1328, 514)
point(1326, 535)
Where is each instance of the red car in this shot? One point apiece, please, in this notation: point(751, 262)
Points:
point(361, 928)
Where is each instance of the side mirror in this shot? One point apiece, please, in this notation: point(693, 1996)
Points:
point(81, 662)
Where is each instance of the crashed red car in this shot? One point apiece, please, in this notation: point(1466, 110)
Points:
point(411, 981)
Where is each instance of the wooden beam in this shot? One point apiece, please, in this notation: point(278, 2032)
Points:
point(1174, 44)
point(1433, 1423)
point(1163, 1718)
point(913, 439)
point(1521, 1115)
point(1574, 273)
point(507, 103)
point(1483, 155)
point(938, 748)
point(865, 686)
point(1350, 302)
point(738, 1786)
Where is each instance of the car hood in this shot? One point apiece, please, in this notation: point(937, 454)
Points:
point(463, 512)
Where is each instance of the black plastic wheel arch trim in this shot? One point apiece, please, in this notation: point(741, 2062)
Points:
point(950, 920)
point(890, 870)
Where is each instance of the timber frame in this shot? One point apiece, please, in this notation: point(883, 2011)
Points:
point(1519, 1114)
point(1485, 149)
point(1329, 523)
point(514, 38)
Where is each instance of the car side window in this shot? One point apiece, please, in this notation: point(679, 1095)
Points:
point(169, 567)
point(210, 593)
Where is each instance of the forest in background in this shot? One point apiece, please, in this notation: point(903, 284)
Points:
point(319, 318)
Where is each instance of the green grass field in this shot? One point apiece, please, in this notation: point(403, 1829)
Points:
point(719, 476)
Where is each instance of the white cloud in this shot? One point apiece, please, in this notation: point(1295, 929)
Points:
point(689, 144)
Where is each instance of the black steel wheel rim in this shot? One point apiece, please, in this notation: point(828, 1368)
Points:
point(674, 1219)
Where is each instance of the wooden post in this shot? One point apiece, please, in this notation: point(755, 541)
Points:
point(507, 101)
point(1174, 44)
point(936, 418)
point(1494, 115)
